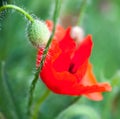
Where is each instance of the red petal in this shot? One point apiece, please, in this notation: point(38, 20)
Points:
point(67, 45)
point(58, 82)
point(82, 53)
point(81, 71)
point(90, 80)
point(94, 96)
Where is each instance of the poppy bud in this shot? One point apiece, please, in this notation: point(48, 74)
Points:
point(77, 34)
point(38, 33)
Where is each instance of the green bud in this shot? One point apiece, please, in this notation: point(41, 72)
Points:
point(38, 33)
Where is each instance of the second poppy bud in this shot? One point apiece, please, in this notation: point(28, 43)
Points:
point(38, 33)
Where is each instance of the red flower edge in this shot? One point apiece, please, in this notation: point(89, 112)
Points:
point(67, 69)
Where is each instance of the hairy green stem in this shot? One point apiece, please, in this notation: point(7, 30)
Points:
point(82, 11)
point(36, 76)
point(38, 103)
point(9, 6)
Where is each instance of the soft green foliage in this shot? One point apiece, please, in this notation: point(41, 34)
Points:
point(78, 110)
point(17, 60)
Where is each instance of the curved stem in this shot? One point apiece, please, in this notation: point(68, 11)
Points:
point(36, 76)
point(82, 10)
point(9, 6)
point(39, 102)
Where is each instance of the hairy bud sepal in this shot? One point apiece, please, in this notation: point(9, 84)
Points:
point(38, 33)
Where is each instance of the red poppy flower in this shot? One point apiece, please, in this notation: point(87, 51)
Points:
point(67, 69)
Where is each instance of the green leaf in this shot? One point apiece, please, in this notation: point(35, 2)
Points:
point(115, 80)
point(75, 109)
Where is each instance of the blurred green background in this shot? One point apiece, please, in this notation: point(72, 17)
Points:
point(18, 57)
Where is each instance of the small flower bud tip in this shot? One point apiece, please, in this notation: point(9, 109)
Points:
point(77, 34)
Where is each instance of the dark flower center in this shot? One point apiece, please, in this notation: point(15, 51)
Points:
point(71, 68)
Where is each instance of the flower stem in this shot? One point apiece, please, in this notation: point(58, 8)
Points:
point(39, 102)
point(36, 76)
point(9, 6)
point(82, 11)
